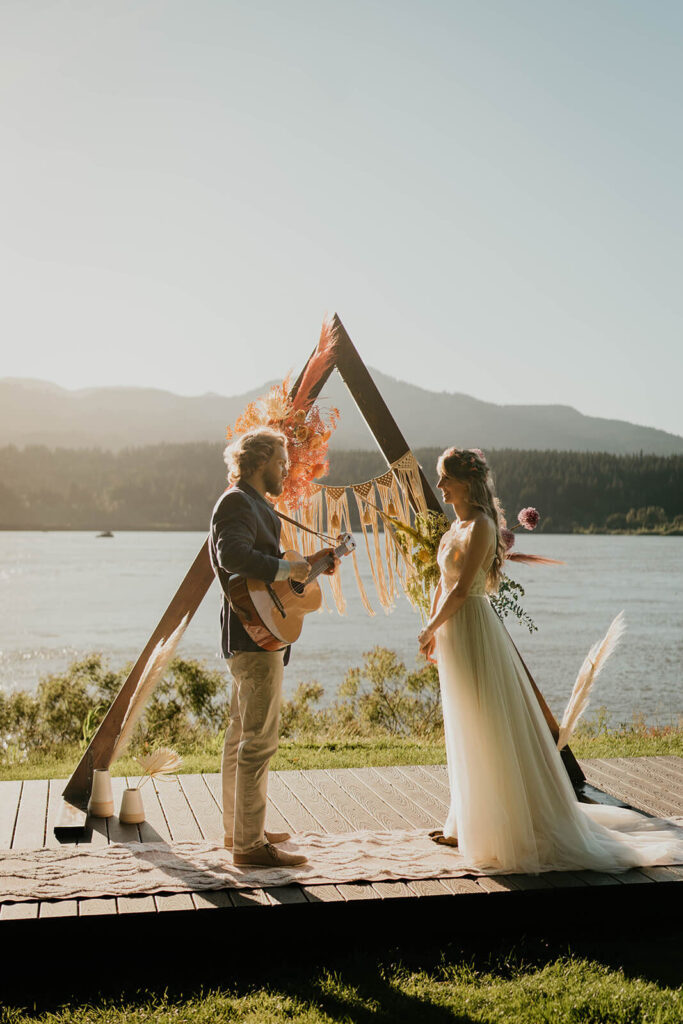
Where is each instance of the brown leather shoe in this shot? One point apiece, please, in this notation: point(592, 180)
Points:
point(271, 837)
point(267, 856)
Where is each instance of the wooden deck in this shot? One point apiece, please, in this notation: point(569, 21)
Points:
point(333, 801)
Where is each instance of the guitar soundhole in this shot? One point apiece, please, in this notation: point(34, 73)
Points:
point(297, 587)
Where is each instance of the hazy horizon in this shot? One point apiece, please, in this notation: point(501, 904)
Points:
point(487, 194)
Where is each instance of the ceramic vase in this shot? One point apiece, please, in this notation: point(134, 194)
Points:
point(132, 811)
point(101, 803)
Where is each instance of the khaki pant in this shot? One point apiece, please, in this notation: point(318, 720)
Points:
point(250, 742)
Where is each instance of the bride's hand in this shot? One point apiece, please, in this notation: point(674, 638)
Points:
point(425, 636)
point(428, 650)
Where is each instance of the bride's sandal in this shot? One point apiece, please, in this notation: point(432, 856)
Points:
point(437, 836)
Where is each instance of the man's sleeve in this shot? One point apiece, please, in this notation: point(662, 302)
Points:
point(235, 532)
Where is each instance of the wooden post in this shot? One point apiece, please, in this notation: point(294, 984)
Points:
point(373, 408)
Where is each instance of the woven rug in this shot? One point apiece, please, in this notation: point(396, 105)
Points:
point(125, 869)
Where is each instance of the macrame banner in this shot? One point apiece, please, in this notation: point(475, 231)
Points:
point(368, 524)
point(326, 510)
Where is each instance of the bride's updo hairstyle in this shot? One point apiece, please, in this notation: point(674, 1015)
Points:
point(469, 465)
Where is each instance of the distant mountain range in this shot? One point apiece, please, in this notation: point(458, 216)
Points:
point(37, 412)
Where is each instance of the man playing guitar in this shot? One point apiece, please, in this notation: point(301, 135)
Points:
point(244, 539)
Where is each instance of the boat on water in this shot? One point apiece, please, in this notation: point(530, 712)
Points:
point(105, 533)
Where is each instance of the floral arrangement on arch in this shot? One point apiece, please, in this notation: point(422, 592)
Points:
point(307, 429)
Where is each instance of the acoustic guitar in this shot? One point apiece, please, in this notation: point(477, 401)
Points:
point(273, 613)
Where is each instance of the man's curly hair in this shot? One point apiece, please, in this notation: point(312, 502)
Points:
point(250, 451)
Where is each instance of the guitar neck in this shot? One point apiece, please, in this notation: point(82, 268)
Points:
point(326, 562)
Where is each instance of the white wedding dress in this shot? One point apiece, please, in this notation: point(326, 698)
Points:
point(513, 807)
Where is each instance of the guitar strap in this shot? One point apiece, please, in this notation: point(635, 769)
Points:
point(300, 526)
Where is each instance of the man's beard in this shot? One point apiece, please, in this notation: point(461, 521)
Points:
point(274, 485)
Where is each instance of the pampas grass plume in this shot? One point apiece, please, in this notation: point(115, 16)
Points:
point(590, 670)
point(151, 676)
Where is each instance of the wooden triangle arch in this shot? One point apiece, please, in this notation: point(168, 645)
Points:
point(192, 590)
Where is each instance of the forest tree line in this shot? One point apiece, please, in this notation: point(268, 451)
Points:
point(174, 486)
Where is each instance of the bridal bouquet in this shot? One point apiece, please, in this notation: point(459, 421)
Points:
point(421, 544)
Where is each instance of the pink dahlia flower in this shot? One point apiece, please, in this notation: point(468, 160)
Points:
point(508, 538)
point(529, 518)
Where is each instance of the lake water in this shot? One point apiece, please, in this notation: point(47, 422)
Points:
point(63, 595)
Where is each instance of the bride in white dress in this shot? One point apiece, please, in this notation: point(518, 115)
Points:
point(513, 807)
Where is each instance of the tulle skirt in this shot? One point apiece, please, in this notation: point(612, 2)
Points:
point(512, 806)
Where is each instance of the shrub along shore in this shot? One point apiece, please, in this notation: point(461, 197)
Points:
point(384, 714)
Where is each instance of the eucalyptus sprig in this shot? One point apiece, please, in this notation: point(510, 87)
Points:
point(506, 602)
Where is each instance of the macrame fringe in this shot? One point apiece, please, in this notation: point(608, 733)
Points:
point(369, 526)
point(327, 511)
point(339, 521)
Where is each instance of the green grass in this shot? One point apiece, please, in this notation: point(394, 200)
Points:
point(320, 752)
point(358, 989)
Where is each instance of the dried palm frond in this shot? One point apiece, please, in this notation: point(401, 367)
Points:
point(317, 365)
point(151, 676)
point(518, 556)
point(590, 670)
point(158, 764)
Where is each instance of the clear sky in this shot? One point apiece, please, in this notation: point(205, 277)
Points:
point(488, 192)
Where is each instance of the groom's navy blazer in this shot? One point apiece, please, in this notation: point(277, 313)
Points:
point(244, 539)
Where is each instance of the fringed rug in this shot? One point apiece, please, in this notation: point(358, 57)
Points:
point(125, 869)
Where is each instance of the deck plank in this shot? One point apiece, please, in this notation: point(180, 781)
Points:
point(298, 817)
point(24, 911)
point(358, 816)
point(10, 795)
point(142, 904)
point(29, 831)
point(414, 815)
point(360, 804)
point(55, 908)
point(154, 829)
point(327, 816)
point(598, 878)
point(95, 906)
point(329, 820)
point(393, 890)
point(494, 883)
point(661, 873)
point(629, 788)
point(358, 891)
point(183, 827)
point(58, 908)
point(470, 886)
point(54, 803)
point(203, 806)
point(421, 787)
point(651, 773)
point(391, 819)
point(181, 822)
point(386, 816)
